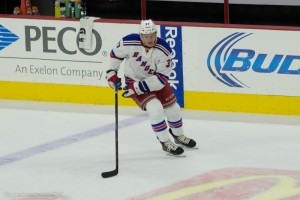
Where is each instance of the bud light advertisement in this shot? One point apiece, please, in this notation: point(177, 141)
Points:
point(239, 60)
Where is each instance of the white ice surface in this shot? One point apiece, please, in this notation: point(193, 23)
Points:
point(63, 149)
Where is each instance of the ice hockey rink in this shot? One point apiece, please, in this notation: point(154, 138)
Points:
point(58, 151)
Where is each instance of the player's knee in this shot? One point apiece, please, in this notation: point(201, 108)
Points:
point(175, 107)
point(173, 111)
point(155, 109)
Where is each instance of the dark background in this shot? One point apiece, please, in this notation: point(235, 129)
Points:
point(177, 11)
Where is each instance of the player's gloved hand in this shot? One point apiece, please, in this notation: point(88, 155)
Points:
point(129, 91)
point(113, 80)
point(133, 90)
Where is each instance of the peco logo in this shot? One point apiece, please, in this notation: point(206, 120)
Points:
point(224, 60)
point(6, 37)
point(50, 35)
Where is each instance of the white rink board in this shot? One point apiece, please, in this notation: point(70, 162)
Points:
point(51, 54)
point(49, 40)
point(199, 42)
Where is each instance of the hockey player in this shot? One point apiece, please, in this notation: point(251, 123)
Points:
point(148, 64)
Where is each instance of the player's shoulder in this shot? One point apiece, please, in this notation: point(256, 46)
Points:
point(163, 46)
point(132, 40)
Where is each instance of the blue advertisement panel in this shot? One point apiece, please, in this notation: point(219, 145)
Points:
point(173, 36)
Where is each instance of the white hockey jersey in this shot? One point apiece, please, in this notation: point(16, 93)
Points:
point(152, 67)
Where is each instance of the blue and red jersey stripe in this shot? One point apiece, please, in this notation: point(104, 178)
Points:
point(161, 126)
point(176, 124)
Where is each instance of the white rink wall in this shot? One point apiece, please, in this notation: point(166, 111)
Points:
point(215, 67)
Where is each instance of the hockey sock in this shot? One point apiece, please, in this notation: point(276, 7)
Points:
point(157, 119)
point(174, 119)
point(161, 131)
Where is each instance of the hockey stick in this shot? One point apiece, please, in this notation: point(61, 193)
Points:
point(115, 171)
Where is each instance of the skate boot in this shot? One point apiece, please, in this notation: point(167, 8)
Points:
point(183, 140)
point(171, 148)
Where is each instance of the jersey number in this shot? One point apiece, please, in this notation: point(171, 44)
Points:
point(169, 63)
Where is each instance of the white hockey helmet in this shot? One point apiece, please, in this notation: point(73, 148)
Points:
point(147, 27)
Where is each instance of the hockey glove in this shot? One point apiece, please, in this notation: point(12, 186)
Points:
point(113, 80)
point(135, 89)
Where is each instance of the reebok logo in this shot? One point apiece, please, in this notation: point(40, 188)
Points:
point(6, 37)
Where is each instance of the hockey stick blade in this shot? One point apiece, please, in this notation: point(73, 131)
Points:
point(110, 173)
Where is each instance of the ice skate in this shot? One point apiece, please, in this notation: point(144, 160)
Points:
point(183, 140)
point(172, 148)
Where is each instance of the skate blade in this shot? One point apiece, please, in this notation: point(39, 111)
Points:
point(178, 156)
point(189, 148)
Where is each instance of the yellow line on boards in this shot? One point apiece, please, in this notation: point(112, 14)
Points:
point(60, 93)
point(248, 103)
